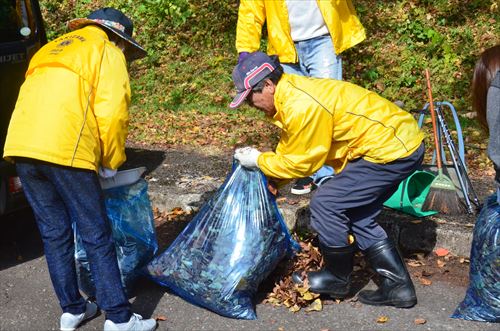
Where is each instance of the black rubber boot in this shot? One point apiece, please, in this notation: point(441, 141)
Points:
point(396, 288)
point(335, 277)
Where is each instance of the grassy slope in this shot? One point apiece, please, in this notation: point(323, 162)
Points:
point(181, 90)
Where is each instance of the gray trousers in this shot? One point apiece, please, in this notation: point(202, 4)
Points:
point(349, 202)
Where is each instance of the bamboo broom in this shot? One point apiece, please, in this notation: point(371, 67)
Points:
point(443, 196)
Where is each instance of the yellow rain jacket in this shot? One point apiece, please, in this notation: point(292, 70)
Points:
point(339, 15)
point(334, 122)
point(72, 109)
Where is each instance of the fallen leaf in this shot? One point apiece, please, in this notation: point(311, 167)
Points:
point(464, 260)
point(294, 308)
point(425, 281)
point(382, 319)
point(274, 301)
point(413, 263)
point(441, 252)
point(470, 115)
point(440, 263)
point(315, 306)
point(420, 256)
point(161, 318)
point(420, 321)
point(308, 296)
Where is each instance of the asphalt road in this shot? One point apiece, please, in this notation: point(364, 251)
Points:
point(27, 301)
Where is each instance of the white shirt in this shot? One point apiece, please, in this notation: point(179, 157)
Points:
point(305, 19)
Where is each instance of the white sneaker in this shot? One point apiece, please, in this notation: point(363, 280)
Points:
point(70, 322)
point(136, 323)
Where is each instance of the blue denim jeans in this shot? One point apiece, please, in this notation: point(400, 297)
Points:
point(60, 196)
point(317, 58)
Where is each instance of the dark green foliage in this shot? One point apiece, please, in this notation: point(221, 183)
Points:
point(191, 49)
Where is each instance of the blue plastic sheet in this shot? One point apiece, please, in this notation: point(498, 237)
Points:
point(482, 299)
point(132, 224)
point(234, 242)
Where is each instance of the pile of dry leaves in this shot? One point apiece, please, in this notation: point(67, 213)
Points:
point(293, 296)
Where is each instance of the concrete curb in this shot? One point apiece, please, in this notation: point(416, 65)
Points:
point(413, 235)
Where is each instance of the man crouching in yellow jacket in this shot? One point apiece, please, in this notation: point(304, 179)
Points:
point(69, 124)
point(372, 144)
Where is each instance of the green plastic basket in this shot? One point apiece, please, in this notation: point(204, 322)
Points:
point(411, 194)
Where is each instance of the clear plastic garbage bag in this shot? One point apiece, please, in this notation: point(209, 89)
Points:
point(482, 299)
point(132, 225)
point(231, 245)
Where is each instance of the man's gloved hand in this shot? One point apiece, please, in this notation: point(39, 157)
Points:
point(106, 172)
point(247, 156)
point(242, 56)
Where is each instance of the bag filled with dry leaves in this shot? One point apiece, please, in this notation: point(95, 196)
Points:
point(482, 300)
point(232, 244)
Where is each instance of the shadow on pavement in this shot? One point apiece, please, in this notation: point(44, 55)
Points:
point(137, 157)
point(147, 297)
point(148, 293)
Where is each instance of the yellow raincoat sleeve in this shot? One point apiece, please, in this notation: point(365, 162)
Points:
point(251, 18)
point(304, 144)
point(111, 107)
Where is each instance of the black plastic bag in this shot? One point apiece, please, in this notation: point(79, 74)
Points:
point(482, 300)
point(233, 243)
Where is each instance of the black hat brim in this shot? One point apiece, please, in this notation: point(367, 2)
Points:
point(133, 53)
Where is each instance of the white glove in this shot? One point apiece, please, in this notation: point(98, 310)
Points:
point(243, 150)
point(247, 156)
point(106, 172)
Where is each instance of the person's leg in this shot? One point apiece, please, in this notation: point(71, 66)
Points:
point(292, 68)
point(332, 204)
point(330, 207)
point(55, 228)
point(364, 186)
point(318, 59)
point(351, 200)
point(83, 197)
